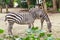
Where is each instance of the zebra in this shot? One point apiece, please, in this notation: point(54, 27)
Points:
point(27, 18)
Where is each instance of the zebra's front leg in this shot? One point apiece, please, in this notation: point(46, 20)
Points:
point(10, 28)
point(49, 26)
point(42, 20)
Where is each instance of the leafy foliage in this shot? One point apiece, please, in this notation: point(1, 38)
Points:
point(31, 34)
point(49, 3)
point(33, 2)
point(7, 1)
point(1, 31)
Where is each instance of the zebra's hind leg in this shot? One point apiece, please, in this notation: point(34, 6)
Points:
point(42, 20)
point(10, 27)
point(31, 25)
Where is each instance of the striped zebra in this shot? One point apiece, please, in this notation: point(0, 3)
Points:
point(27, 18)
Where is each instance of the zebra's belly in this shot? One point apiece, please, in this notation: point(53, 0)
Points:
point(24, 21)
point(27, 22)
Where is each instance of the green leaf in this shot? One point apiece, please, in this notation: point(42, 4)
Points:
point(7, 1)
point(18, 39)
point(16, 36)
point(34, 28)
point(1, 31)
point(32, 38)
point(29, 31)
point(49, 38)
point(42, 34)
point(59, 9)
point(32, 35)
point(37, 38)
point(27, 38)
point(49, 35)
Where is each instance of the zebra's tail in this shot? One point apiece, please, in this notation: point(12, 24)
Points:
point(5, 18)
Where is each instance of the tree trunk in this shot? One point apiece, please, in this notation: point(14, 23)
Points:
point(11, 3)
point(6, 8)
point(54, 5)
point(28, 3)
point(0, 9)
point(44, 5)
point(59, 3)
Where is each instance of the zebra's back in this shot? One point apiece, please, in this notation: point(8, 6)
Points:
point(20, 18)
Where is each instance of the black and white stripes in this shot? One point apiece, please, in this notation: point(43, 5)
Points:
point(14, 17)
point(27, 18)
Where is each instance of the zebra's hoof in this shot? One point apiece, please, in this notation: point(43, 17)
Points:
point(50, 31)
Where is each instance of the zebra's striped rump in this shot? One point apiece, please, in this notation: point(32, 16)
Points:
point(14, 17)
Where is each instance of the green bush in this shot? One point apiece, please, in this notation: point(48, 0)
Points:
point(31, 34)
point(59, 10)
point(7, 1)
point(24, 5)
point(49, 3)
point(19, 3)
point(33, 2)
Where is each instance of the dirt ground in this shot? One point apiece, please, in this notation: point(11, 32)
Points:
point(20, 29)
